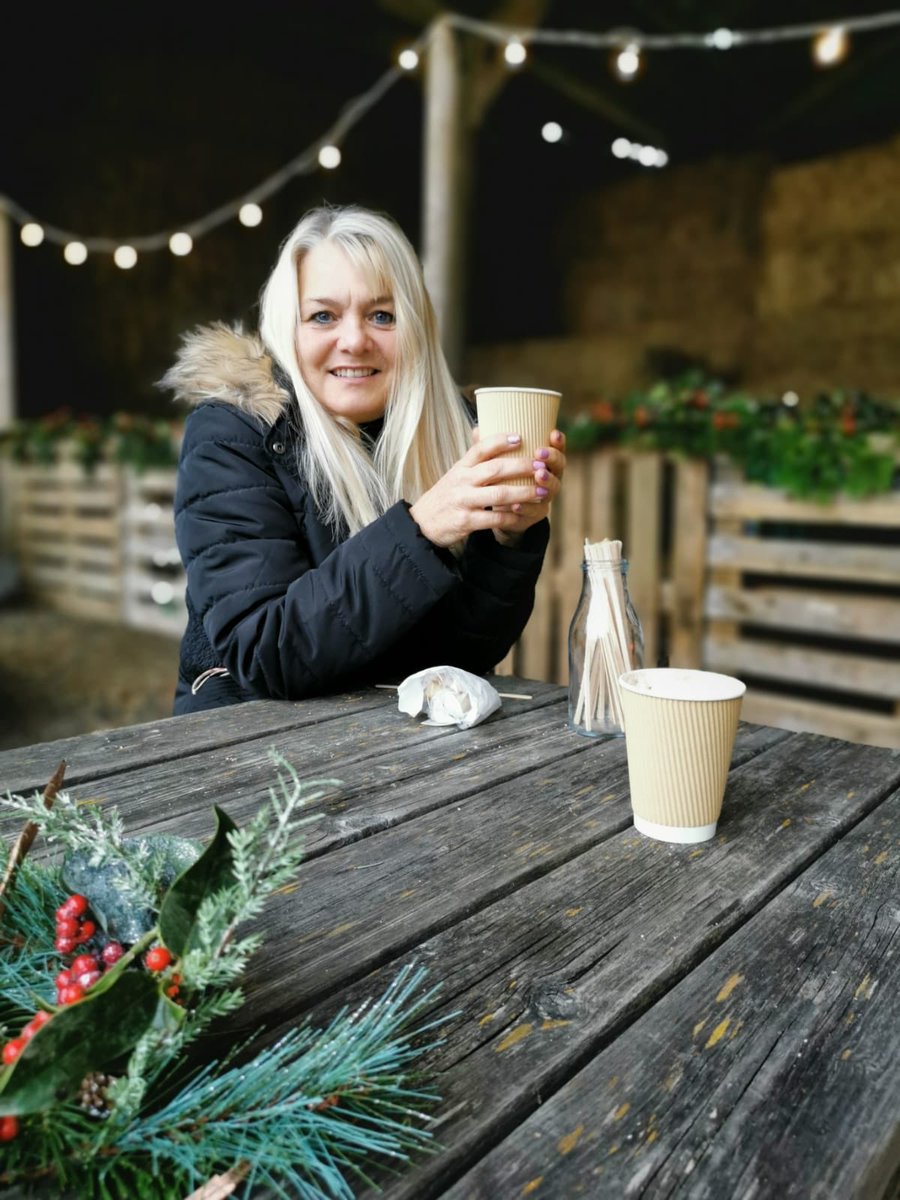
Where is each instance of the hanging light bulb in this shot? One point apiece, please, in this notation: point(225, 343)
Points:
point(32, 234)
point(627, 62)
point(181, 244)
point(514, 52)
point(250, 215)
point(329, 157)
point(720, 39)
point(125, 257)
point(552, 131)
point(408, 59)
point(830, 46)
point(621, 147)
point(75, 253)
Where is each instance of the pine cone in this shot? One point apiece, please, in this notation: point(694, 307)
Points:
point(93, 1095)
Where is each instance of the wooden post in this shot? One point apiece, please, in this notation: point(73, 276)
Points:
point(445, 187)
point(7, 327)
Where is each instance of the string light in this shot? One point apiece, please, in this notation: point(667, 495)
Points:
point(329, 157)
point(181, 244)
point(514, 52)
point(250, 215)
point(125, 257)
point(647, 156)
point(627, 62)
point(75, 253)
point(552, 131)
point(830, 45)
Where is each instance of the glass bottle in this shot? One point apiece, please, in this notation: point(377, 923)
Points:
point(605, 639)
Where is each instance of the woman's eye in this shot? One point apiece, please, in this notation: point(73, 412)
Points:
point(320, 318)
point(382, 317)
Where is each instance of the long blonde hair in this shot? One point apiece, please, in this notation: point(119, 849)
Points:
point(425, 427)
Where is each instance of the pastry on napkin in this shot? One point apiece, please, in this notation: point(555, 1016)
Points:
point(447, 696)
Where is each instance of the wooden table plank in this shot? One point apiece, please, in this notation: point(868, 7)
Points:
point(546, 974)
point(112, 752)
point(769, 1071)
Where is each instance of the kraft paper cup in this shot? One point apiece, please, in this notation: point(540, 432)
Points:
point(679, 735)
point(530, 412)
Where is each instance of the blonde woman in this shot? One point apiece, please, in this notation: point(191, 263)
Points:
point(338, 522)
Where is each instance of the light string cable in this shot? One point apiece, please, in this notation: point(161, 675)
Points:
point(670, 41)
point(303, 164)
point(356, 108)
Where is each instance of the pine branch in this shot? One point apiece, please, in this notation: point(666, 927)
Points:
point(27, 836)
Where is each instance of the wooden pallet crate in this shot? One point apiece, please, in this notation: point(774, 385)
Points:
point(153, 579)
point(656, 505)
point(65, 533)
point(803, 605)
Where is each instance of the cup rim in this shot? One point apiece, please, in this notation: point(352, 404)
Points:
point(668, 679)
point(512, 388)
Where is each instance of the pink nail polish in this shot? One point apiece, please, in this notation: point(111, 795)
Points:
point(541, 491)
point(543, 453)
point(513, 438)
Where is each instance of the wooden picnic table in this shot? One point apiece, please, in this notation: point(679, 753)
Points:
point(633, 1018)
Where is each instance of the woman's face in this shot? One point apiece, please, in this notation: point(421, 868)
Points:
point(346, 344)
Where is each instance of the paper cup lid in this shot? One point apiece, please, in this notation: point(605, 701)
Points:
point(486, 391)
point(674, 683)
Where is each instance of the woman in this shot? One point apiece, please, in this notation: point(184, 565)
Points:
point(334, 522)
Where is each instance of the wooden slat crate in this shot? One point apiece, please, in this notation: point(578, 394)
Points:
point(65, 531)
point(656, 505)
point(153, 580)
point(804, 605)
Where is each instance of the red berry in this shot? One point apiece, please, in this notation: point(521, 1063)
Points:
point(13, 1049)
point(66, 926)
point(38, 1021)
point(65, 945)
point(88, 978)
point(157, 958)
point(71, 993)
point(111, 953)
point(75, 906)
point(86, 932)
point(84, 962)
point(9, 1127)
point(63, 978)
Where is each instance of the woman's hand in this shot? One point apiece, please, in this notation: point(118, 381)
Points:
point(549, 466)
point(476, 492)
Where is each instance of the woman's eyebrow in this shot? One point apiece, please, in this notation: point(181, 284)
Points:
point(328, 301)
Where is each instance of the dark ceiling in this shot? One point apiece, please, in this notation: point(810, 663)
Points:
point(128, 119)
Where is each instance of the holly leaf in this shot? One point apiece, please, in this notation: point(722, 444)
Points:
point(210, 873)
point(79, 1039)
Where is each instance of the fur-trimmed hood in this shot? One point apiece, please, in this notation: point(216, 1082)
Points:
point(220, 362)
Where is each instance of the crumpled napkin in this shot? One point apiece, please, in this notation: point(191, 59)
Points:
point(447, 696)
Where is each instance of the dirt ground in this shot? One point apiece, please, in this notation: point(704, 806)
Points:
point(61, 676)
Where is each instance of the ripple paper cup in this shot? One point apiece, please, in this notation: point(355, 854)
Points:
point(530, 412)
point(679, 734)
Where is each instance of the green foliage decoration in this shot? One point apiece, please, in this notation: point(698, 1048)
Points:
point(141, 442)
point(305, 1116)
point(838, 442)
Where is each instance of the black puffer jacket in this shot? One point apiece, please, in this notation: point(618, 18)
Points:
point(273, 597)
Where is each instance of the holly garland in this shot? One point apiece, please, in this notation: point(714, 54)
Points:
point(813, 448)
point(115, 960)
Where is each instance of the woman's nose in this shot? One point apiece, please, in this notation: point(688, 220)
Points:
point(353, 333)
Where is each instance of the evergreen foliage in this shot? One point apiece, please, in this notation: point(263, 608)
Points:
point(306, 1116)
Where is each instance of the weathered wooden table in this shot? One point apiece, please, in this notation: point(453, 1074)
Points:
point(635, 1019)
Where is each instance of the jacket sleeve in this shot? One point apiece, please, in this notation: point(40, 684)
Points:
point(475, 625)
point(283, 626)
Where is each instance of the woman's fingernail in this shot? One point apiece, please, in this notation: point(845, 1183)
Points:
point(537, 465)
point(513, 438)
point(517, 508)
point(543, 453)
point(543, 477)
point(541, 491)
